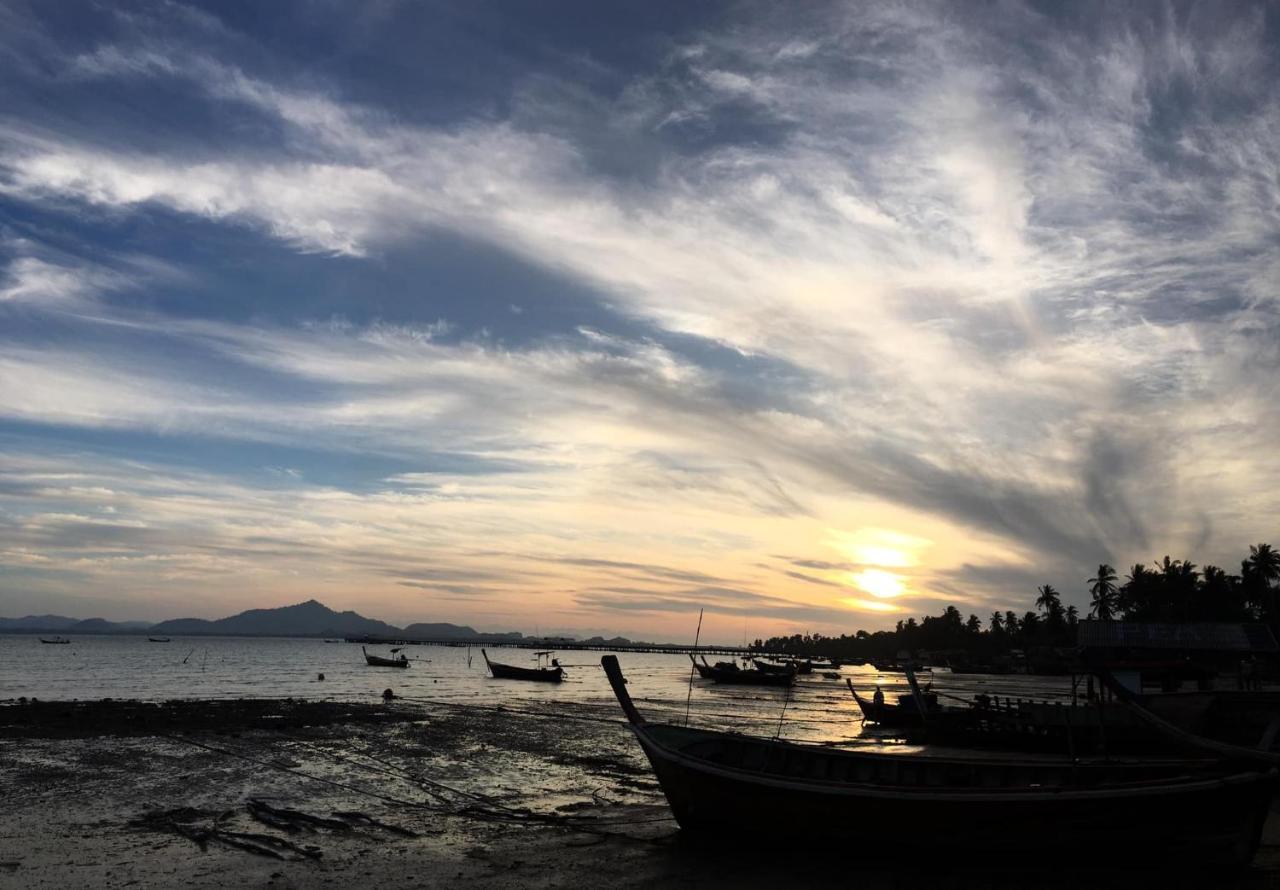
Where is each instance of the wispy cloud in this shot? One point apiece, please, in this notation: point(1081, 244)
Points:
point(1006, 276)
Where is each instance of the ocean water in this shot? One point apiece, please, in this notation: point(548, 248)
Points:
point(815, 709)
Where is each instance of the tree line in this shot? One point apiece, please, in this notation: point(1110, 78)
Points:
point(1169, 590)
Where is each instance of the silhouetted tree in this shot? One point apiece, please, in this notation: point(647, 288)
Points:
point(1169, 590)
point(1012, 627)
point(1137, 593)
point(1029, 628)
point(1049, 601)
point(1260, 570)
point(1104, 592)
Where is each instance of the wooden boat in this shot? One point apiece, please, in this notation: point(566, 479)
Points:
point(157, 639)
point(705, 671)
point(379, 661)
point(553, 674)
point(719, 782)
point(770, 668)
point(55, 641)
point(730, 674)
point(894, 667)
point(905, 712)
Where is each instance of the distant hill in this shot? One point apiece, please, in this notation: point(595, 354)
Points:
point(304, 619)
point(309, 619)
point(613, 641)
point(442, 631)
point(75, 625)
point(37, 622)
point(103, 626)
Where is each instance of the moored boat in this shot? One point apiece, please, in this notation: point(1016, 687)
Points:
point(552, 674)
point(730, 674)
point(54, 641)
point(719, 782)
point(771, 668)
point(907, 711)
point(157, 639)
point(379, 661)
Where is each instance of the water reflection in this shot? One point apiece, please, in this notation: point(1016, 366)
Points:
point(816, 709)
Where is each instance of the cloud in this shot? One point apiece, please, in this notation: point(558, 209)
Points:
point(1008, 275)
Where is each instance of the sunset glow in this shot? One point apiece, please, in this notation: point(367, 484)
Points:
point(885, 585)
point(805, 319)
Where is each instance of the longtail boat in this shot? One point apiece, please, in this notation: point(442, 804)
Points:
point(905, 712)
point(719, 782)
point(705, 671)
point(730, 674)
point(553, 674)
point(770, 668)
point(379, 661)
point(157, 639)
point(55, 641)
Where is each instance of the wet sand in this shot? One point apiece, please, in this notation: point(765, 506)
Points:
point(408, 794)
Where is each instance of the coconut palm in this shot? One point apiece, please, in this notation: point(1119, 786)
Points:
point(1263, 567)
point(1264, 562)
point(1049, 601)
point(1104, 591)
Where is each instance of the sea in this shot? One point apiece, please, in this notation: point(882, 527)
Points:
point(816, 709)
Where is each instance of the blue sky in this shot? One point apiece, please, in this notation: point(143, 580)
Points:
point(586, 317)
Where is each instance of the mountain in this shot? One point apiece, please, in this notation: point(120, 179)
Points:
point(309, 619)
point(304, 619)
point(37, 622)
point(421, 631)
point(103, 626)
point(74, 625)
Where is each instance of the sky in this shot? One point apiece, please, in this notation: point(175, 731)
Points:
point(581, 318)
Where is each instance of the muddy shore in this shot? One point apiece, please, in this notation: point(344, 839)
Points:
point(407, 794)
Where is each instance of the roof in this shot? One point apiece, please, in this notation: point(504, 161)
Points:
point(1203, 636)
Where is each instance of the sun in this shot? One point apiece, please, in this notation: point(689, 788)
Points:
point(879, 547)
point(878, 582)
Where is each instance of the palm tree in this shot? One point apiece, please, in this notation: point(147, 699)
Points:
point(1263, 565)
point(1135, 595)
point(1264, 562)
point(997, 623)
point(1104, 591)
point(1049, 600)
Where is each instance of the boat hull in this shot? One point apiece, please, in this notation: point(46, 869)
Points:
point(510, 672)
point(1208, 809)
point(378, 661)
point(1217, 820)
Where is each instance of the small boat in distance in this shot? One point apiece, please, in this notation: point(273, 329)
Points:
point(717, 783)
point(543, 674)
point(771, 668)
point(157, 639)
point(730, 674)
point(54, 641)
point(379, 661)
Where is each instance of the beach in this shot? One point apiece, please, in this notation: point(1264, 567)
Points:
point(286, 793)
